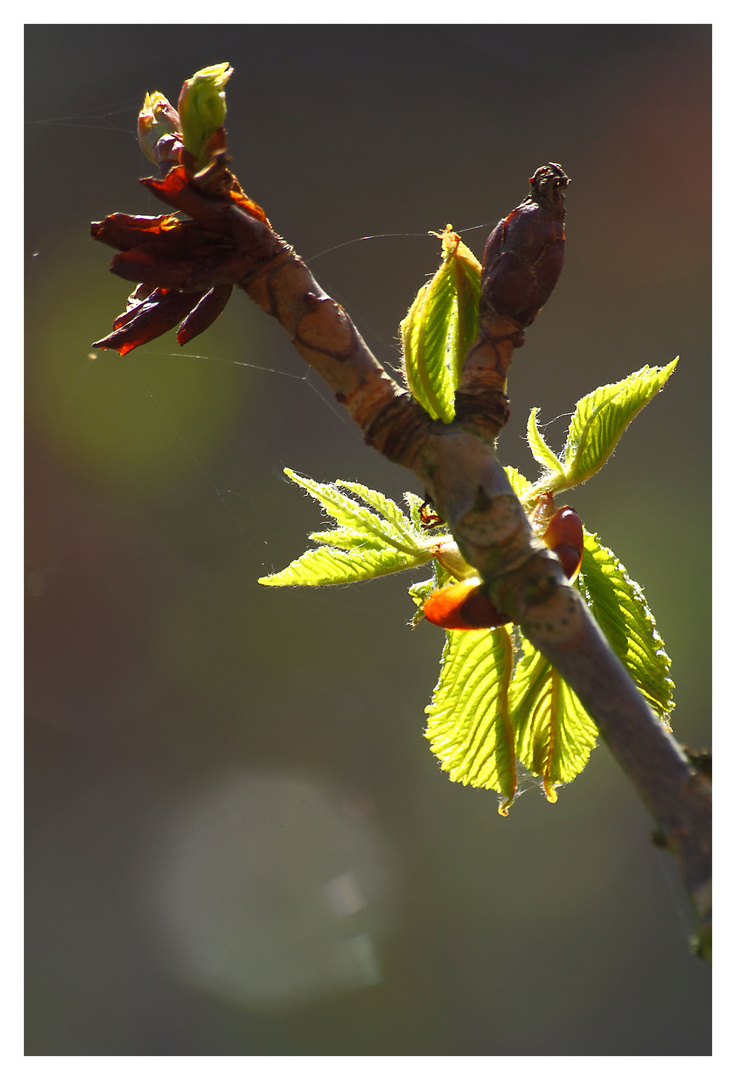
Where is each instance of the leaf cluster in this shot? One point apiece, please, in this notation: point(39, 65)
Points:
point(499, 704)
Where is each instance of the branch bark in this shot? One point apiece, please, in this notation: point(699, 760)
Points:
point(456, 462)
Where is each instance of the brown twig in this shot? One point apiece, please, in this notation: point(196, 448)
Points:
point(229, 241)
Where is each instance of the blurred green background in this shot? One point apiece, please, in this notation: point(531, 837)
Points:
point(238, 841)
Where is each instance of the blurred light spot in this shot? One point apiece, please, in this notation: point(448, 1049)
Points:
point(343, 895)
point(267, 894)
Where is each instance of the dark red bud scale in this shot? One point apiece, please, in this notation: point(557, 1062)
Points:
point(127, 231)
point(150, 317)
point(209, 308)
point(186, 267)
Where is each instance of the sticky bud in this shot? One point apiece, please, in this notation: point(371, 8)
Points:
point(203, 109)
point(523, 255)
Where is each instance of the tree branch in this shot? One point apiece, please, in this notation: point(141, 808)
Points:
point(454, 462)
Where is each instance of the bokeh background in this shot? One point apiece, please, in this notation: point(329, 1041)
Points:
point(238, 841)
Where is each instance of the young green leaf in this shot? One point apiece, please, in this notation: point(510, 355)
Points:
point(330, 566)
point(386, 507)
point(598, 423)
point(468, 726)
point(619, 607)
point(392, 529)
point(601, 418)
point(414, 504)
point(202, 108)
point(363, 546)
point(440, 327)
point(518, 481)
point(420, 591)
point(347, 539)
point(541, 452)
point(554, 734)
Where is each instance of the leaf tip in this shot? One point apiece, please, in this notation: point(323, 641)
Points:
point(549, 792)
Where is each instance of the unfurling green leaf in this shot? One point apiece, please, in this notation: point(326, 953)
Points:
point(202, 108)
point(440, 327)
point(157, 119)
point(469, 726)
point(330, 566)
point(392, 529)
point(554, 734)
point(415, 504)
point(541, 453)
point(598, 422)
point(601, 418)
point(363, 546)
point(420, 592)
point(386, 507)
point(518, 481)
point(619, 607)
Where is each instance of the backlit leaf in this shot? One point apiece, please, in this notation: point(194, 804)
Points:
point(542, 454)
point(468, 725)
point(518, 481)
point(440, 327)
point(386, 507)
point(420, 591)
point(346, 538)
point(414, 504)
point(554, 734)
point(330, 566)
point(393, 531)
point(619, 607)
point(601, 418)
point(364, 545)
point(597, 424)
